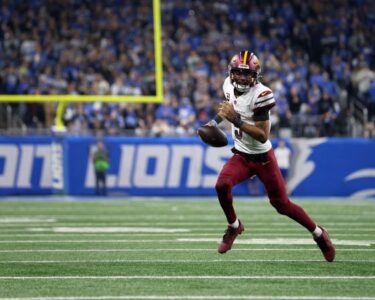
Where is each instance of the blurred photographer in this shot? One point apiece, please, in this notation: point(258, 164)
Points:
point(101, 165)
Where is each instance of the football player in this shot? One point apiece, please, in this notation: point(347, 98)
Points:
point(247, 107)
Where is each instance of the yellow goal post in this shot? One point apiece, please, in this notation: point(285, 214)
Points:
point(62, 100)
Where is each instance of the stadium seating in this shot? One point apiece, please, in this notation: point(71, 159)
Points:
point(317, 57)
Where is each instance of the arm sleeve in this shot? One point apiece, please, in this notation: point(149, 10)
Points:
point(261, 115)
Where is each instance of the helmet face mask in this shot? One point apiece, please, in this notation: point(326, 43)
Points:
point(244, 69)
point(243, 79)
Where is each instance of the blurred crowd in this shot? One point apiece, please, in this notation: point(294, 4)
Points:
point(317, 56)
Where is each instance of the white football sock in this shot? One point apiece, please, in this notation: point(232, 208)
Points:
point(235, 224)
point(317, 232)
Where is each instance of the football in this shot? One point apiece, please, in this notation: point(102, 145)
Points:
point(212, 136)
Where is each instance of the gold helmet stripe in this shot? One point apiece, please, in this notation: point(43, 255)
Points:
point(245, 57)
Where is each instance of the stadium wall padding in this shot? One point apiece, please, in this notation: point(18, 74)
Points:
point(176, 167)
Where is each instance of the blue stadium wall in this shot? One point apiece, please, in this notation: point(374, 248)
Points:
point(176, 166)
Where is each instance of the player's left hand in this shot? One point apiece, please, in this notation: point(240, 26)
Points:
point(226, 110)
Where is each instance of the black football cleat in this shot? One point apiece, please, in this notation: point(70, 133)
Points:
point(325, 244)
point(229, 237)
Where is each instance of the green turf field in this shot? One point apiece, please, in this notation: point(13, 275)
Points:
point(166, 249)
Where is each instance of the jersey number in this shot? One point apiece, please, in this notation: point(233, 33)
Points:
point(238, 133)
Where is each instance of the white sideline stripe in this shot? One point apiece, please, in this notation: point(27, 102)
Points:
point(277, 241)
point(284, 241)
point(175, 250)
point(179, 297)
point(175, 261)
point(188, 277)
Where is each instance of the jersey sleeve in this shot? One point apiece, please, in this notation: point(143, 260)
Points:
point(264, 102)
point(226, 85)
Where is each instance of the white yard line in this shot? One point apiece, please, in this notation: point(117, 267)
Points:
point(104, 229)
point(182, 261)
point(189, 277)
point(125, 220)
point(136, 229)
point(177, 250)
point(282, 241)
point(87, 241)
point(110, 222)
point(196, 297)
point(274, 241)
point(127, 234)
point(11, 220)
point(269, 218)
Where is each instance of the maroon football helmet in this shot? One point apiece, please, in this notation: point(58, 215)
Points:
point(244, 69)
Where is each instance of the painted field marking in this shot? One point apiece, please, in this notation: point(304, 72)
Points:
point(276, 241)
point(279, 241)
point(182, 261)
point(127, 234)
point(269, 220)
point(193, 231)
point(166, 230)
point(109, 221)
point(175, 250)
point(196, 297)
point(114, 229)
point(8, 220)
point(189, 216)
point(87, 241)
point(189, 277)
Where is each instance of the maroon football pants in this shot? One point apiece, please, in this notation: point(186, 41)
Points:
point(239, 168)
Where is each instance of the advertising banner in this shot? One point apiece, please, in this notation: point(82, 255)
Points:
point(177, 167)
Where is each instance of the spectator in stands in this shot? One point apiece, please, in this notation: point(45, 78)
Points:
point(56, 48)
point(113, 122)
point(370, 101)
point(76, 119)
point(186, 117)
point(369, 130)
point(328, 112)
point(34, 115)
point(133, 122)
point(165, 117)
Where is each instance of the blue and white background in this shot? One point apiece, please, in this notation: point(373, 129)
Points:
point(176, 166)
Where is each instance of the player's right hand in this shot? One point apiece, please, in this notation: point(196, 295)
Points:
point(211, 123)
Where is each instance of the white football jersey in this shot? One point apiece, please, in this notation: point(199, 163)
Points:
point(257, 98)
